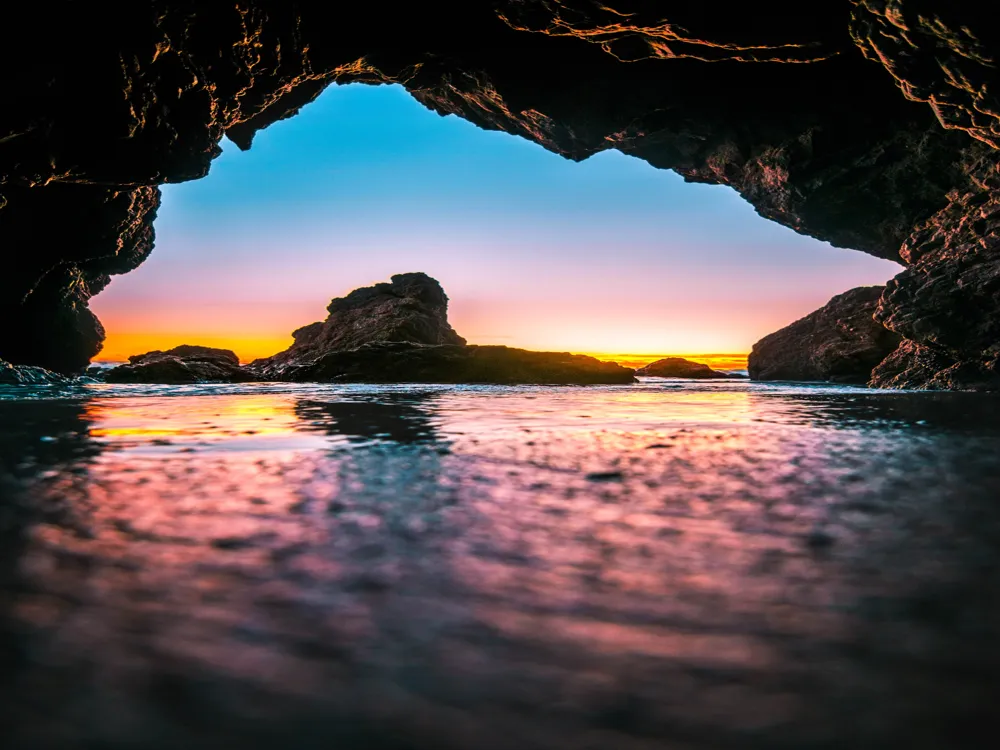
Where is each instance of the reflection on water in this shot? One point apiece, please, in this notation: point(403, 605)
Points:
point(704, 564)
point(400, 417)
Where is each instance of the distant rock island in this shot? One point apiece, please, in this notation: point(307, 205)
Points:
point(396, 332)
point(182, 364)
point(678, 367)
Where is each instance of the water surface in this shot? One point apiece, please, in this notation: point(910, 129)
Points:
point(673, 563)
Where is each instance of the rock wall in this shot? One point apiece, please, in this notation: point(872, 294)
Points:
point(869, 124)
point(841, 343)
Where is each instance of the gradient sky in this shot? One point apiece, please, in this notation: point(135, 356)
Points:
point(609, 255)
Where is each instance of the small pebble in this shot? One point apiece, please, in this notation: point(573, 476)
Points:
point(605, 476)
point(819, 539)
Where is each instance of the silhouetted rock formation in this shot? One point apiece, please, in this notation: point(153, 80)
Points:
point(63, 244)
point(27, 375)
point(400, 362)
point(841, 342)
point(869, 124)
point(182, 364)
point(678, 367)
point(412, 308)
point(399, 333)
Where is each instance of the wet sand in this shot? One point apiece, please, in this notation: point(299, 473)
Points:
point(682, 565)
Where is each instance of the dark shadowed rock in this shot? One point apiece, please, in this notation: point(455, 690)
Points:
point(189, 352)
point(952, 279)
point(412, 308)
point(182, 364)
point(61, 246)
point(841, 342)
point(920, 367)
point(27, 375)
point(401, 362)
point(678, 367)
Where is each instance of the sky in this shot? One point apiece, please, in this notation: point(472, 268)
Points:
point(605, 256)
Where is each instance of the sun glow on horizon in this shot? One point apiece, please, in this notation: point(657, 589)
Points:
point(120, 346)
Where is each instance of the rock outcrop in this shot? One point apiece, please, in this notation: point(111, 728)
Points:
point(678, 367)
point(411, 308)
point(399, 333)
point(182, 364)
point(871, 124)
point(841, 343)
point(28, 375)
point(400, 362)
point(918, 367)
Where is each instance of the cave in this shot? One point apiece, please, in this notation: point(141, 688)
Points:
point(868, 124)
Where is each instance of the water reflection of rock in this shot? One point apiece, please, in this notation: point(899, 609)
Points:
point(967, 412)
point(399, 417)
point(40, 440)
point(37, 435)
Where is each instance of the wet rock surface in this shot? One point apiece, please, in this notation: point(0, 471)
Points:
point(916, 367)
point(853, 123)
point(678, 367)
point(182, 364)
point(27, 375)
point(841, 342)
point(735, 566)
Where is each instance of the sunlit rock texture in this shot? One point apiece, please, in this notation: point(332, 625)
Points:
point(841, 342)
point(871, 124)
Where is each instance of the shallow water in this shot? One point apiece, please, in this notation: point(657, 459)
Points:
point(679, 564)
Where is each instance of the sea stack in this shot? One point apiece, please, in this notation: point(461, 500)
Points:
point(411, 308)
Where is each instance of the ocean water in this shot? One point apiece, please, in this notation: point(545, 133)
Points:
point(670, 564)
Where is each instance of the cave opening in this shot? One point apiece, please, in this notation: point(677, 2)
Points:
point(420, 544)
point(608, 256)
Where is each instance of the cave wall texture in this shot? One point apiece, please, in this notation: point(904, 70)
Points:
point(872, 124)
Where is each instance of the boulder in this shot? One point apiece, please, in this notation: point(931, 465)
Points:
point(841, 343)
point(405, 362)
point(182, 364)
point(678, 367)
